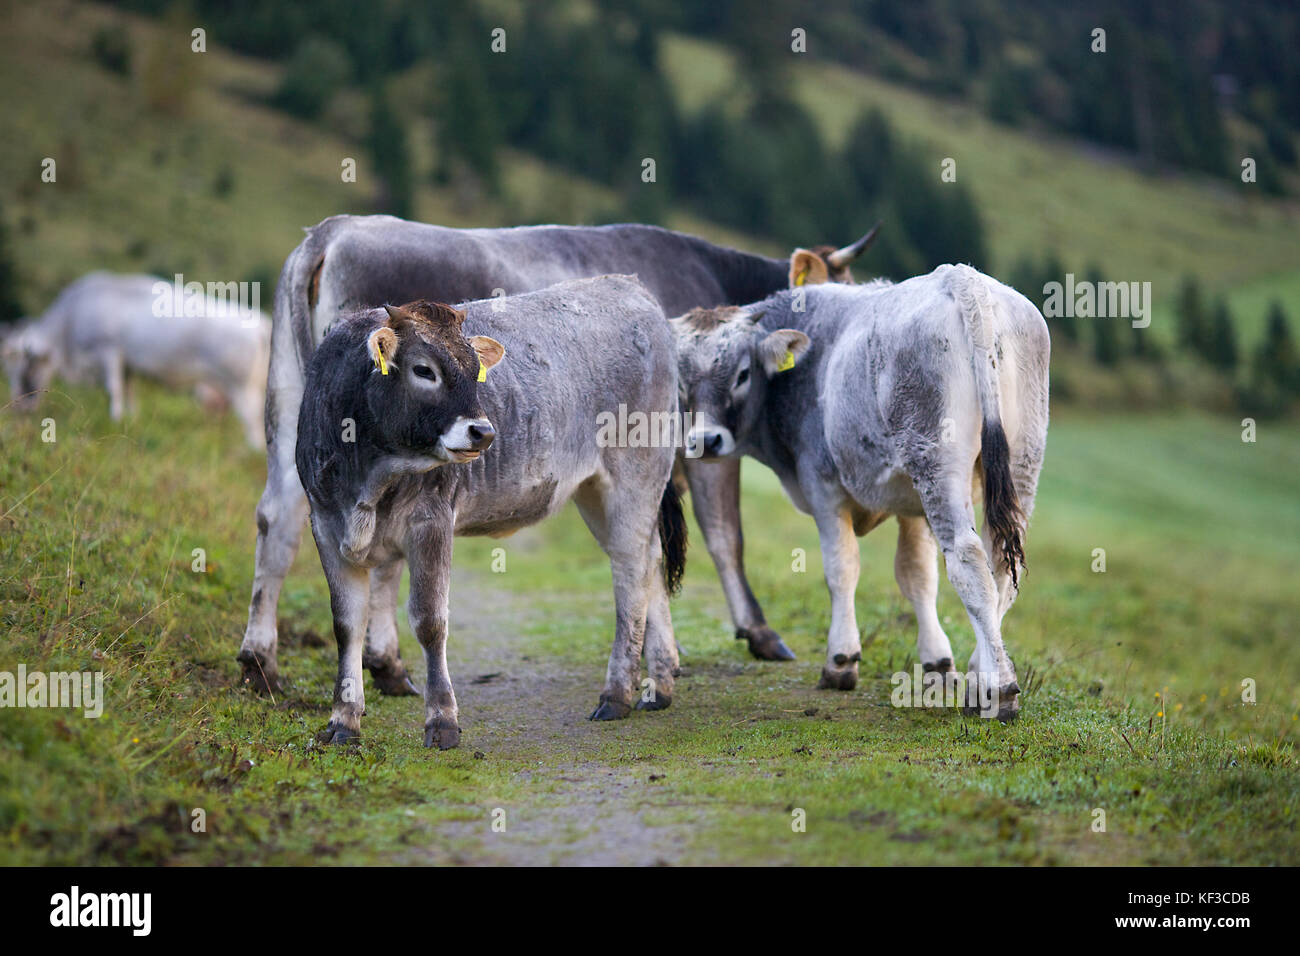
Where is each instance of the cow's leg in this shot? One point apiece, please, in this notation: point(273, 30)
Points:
point(660, 642)
point(841, 563)
point(916, 569)
point(280, 516)
point(630, 530)
point(430, 560)
point(383, 656)
point(715, 498)
point(990, 672)
point(113, 368)
point(350, 604)
point(248, 404)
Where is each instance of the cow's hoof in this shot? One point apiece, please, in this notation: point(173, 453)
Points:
point(442, 734)
point(610, 710)
point(765, 643)
point(941, 666)
point(393, 680)
point(1008, 705)
point(657, 702)
point(260, 674)
point(336, 733)
point(846, 679)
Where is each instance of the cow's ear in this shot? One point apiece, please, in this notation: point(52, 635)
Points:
point(382, 346)
point(807, 268)
point(489, 352)
point(780, 350)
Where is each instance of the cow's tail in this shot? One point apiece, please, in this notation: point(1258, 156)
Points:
point(672, 537)
point(1002, 511)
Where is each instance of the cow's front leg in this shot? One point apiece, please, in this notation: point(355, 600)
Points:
point(383, 656)
point(715, 498)
point(350, 603)
point(916, 569)
point(114, 371)
point(841, 563)
point(430, 560)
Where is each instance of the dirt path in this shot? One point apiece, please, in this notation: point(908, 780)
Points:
point(524, 707)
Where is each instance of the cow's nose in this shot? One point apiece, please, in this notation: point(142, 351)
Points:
point(713, 443)
point(481, 434)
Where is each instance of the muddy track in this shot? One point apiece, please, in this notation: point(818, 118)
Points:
point(520, 706)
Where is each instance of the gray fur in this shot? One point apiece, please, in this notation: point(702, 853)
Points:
point(572, 352)
point(351, 262)
point(883, 415)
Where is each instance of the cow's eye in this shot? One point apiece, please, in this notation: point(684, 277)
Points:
point(743, 377)
point(423, 371)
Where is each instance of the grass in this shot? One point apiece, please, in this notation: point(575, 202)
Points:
point(1134, 706)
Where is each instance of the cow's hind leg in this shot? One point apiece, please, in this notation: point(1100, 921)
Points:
point(280, 516)
point(427, 606)
point(842, 563)
point(383, 657)
point(916, 569)
point(991, 678)
point(715, 498)
point(629, 522)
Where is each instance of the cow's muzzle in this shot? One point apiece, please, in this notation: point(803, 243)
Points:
point(709, 442)
point(468, 439)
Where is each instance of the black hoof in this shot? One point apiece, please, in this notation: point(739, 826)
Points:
point(1008, 704)
point(764, 643)
point(841, 680)
point(610, 710)
point(942, 666)
point(263, 676)
point(337, 734)
point(657, 702)
point(442, 734)
point(393, 680)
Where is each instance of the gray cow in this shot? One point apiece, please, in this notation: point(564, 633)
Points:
point(878, 400)
point(353, 262)
point(413, 386)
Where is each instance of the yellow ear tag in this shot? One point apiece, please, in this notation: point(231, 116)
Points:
point(787, 363)
point(801, 276)
point(383, 366)
point(482, 372)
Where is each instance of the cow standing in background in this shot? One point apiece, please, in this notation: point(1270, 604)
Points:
point(880, 400)
point(105, 328)
point(354, 262)
point(413, 435)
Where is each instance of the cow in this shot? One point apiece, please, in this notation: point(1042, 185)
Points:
point(105, 327)
point(353, 262)
point(878, 400)
point(411, 434)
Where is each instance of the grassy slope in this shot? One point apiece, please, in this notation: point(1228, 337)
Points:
point(1039, 192)
point(98, 530)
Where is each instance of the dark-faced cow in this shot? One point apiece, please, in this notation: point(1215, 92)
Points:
point(884, 400)
point(105, 327)
point(441, 446)
point(353, 262)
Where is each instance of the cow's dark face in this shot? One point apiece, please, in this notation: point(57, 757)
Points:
point(427, 403)
point(724, 362)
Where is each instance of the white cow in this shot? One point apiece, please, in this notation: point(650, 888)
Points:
point(104, 326)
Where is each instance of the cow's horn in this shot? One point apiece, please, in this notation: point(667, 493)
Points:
point(842, 257)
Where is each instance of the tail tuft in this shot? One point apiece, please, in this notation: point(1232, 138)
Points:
point(672, 538)
point(1002, 512)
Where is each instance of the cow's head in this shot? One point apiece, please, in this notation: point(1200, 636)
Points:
point(724, 361)
point(29, 364)
point(826, 263)
point(423, 390)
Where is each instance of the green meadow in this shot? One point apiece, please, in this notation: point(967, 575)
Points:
point(1133, 705)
